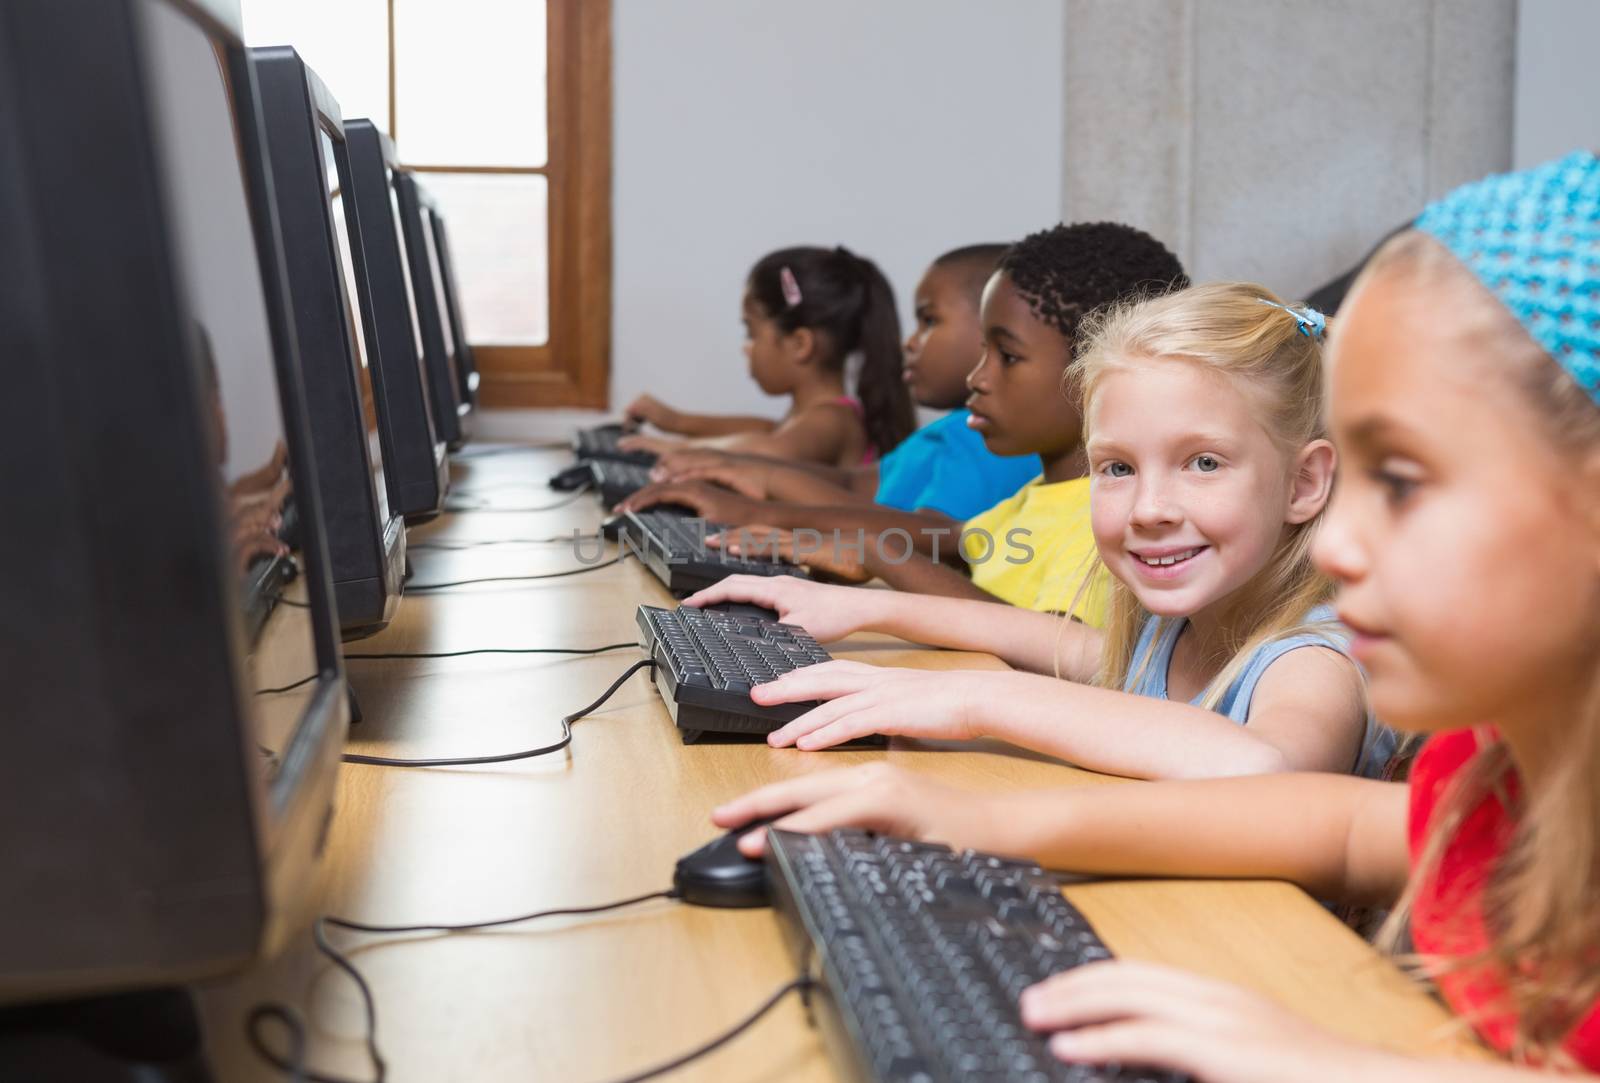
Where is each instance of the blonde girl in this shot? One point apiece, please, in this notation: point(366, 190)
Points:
point(1209, 473)
point(1466, 541)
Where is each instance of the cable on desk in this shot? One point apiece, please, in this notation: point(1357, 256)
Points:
point(490, 650)
point(566, 501)
point(288, 687)
point(800, 984)
point(293, 1062)
point(471, 926)
point(295, 604)
point(454, 546)
point(506, 757)
point(618, 559)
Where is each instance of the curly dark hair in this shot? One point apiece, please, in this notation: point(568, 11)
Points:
point(1068, 271)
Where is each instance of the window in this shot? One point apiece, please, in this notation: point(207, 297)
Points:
point(502, 110)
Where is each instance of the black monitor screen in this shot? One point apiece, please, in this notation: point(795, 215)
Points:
point(436, 265)
point(405, 264)
point(347, 265)
point(199, 153)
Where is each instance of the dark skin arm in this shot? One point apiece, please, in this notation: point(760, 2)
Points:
point(928, 530)
point(781, 479)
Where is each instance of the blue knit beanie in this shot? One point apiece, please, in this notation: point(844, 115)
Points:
point(1533, 238)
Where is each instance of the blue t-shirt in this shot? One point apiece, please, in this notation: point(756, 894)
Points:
point(1152, 657)
point(945, 466)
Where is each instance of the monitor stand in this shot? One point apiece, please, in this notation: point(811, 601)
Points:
point(145, 1037)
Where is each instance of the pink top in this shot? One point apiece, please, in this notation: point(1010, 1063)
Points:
point(869, 456)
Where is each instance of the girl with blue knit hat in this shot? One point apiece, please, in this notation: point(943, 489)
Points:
point(1465, 537)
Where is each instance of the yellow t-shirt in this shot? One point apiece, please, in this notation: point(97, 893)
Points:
point(1035, 549)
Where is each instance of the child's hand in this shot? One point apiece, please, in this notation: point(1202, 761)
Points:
point(648, 408)
point(874, 796)
point(1156, 1016)
point(814, 551)
point(655, 445)
point(861, 700)
point(709, 502)
point(746, 479)
point(688, 458)
point(828, 612)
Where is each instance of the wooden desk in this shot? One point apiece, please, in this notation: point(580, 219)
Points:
point(590, 999)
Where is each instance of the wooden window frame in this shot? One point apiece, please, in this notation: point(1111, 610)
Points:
point(573, 368)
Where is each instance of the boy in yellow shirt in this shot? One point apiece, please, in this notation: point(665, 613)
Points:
point(1033, 549)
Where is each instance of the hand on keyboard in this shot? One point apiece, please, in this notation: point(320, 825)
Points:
point(828, 612)
point(655, 445)
point(873, 796)
point(859, 700)
point(1160, 1017)
point(709, 502)
point(815, 551)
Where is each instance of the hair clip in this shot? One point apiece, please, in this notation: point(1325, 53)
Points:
point(791, 288)
point(1313, 324)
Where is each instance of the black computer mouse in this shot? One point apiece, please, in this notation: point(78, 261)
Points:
point(717, 874)
point(572, 478)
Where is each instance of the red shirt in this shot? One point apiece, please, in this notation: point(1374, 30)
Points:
point(1448, 918)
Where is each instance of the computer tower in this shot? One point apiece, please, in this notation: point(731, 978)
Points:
point(310, 172)
point(419, 468)
point(176, 706)
point(451, 410)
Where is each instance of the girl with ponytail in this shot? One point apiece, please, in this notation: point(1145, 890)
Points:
point(808, 313)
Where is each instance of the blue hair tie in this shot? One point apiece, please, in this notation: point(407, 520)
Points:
point(1313, 324)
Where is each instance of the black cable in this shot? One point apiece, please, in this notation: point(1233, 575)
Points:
point(506, 757)
point(294, 1062)
point(291, 601)
point(470, 926)
point(801, 984)
point(287, 687)
point(453, 546)
point(489, 650)
point(618, 559)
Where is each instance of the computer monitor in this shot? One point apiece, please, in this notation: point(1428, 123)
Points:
point(450, 409)
point(175, 702)
point(466, 364)
point(419, 467)
point(310, 171)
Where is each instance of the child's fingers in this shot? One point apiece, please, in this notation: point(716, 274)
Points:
point(854, 807)
point(1153, 1043)
point(814, 719)
point(1101, 992)
point(737, 588)
point(829, 680)
point(863, 721)
point(786, 796)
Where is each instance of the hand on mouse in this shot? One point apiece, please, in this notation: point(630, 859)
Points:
point(875, 796)
point(828, 612)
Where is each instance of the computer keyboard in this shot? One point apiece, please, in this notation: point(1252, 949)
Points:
point(672, 544)
point(707, 662)
point(600, 442)
point(616, 481)
point(921, 954)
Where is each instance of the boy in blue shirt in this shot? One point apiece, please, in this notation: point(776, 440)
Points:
point(939, 476)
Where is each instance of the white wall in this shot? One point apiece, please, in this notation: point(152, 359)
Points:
point(1277, 140)
point(1558, 79)
point(899, 128)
